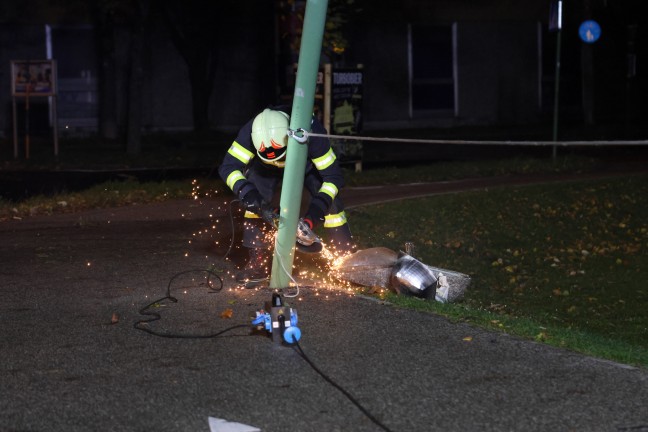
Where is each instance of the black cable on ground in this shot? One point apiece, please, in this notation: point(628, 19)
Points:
point(231, 215)
point(301, 352)
point(353, 400)
point(142, 324)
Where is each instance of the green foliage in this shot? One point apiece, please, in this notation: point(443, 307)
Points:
point(339, 14)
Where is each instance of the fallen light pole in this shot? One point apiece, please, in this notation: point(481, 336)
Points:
point(297, 152)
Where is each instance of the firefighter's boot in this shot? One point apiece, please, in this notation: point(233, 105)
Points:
point(256, 270)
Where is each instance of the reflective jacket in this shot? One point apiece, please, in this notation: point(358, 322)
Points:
point(241, 157)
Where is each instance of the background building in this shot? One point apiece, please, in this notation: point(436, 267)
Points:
point(426, 63)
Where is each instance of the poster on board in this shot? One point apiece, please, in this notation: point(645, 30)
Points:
point(338, 105)
point(346, 111)
point(33, 78)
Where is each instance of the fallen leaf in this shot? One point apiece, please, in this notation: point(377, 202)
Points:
point(114, 319)
point(468, 339)
point(227, 313)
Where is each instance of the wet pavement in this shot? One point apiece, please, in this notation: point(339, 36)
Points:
point(72, 287)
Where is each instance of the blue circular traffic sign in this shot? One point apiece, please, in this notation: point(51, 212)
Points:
point(589, 31)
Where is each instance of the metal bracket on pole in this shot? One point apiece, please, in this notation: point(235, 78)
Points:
point(299, 135)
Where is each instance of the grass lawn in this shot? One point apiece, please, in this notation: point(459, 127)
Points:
point(564, 264)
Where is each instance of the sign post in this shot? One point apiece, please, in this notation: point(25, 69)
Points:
point(29, 79)
point(300, 118)
point(589, 32)
point(558, 27)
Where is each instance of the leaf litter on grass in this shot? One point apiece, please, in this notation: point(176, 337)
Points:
point(571, 254)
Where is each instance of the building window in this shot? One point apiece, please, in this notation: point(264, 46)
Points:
point(431, 57)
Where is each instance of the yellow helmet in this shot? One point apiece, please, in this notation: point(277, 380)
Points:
point(270, 134)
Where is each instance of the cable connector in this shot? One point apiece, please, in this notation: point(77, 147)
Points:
point(280, 322)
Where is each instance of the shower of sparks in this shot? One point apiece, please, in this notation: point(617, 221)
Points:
point(197, 192)
point(318, 274)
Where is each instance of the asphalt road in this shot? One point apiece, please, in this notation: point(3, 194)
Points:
point(71, 359)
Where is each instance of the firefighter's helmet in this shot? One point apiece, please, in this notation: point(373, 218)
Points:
point(269, 134)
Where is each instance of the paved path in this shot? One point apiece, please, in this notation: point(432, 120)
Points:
point(71, 360)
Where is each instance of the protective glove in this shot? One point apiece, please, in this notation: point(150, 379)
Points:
point(253, 202)
point(316, 211)
point(269, 214)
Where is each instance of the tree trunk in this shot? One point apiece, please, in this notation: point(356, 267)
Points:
point(136, 79)
point(201, 76)
point(200, 106)
point(107, 75)
point(135, 82)
point(199, 49)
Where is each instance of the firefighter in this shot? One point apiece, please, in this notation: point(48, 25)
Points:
point(253, 169)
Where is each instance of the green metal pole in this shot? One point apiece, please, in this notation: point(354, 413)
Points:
point(300, 118)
